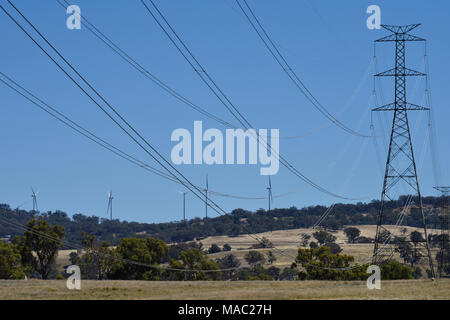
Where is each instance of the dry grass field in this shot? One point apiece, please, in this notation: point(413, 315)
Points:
point(288, 241)
point(208, 290)
point(285, 240)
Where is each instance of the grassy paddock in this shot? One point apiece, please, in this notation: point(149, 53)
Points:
point(54, 289)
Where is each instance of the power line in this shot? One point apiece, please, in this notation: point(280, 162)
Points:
point(52, 111)
point(274, 51)
point(141, 69)
point(215, 89)
point(183, 180)
point(129, 261)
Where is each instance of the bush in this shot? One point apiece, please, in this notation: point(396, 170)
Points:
point(352, 233)
point(214, 249)
point(313, 245)
point(264, 243)
point(363, 240)
point(323, 237)
point(60, 277)
point(10, 262)
point(334, 247)
point(394, 270)
point(417, 273)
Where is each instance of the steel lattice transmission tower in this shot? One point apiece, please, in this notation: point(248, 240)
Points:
point(400, 164)
point(444, 245)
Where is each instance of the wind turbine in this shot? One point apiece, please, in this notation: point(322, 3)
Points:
point(269, 192)
point(206, 196)
point(184, 203)
point(34, 196)
point(109, 210)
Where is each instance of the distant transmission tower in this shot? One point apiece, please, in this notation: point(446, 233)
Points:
point(269, 192)
point(34, 197)
point(444, 251)
point(109, 211)
point(400, 165)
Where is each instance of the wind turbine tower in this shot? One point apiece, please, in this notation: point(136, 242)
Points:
point(34, 197)
point(184, 204)
point(206, 197)
point(269, 192)
point(109, 211)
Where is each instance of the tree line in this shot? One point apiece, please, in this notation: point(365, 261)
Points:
point(238, 222)
point(34, 255)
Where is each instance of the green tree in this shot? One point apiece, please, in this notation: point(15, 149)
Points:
point(416, 238)
point(321, 264)
point(10, 262)
point(263, 243)
point(394, 270)
point(323, 237)
point(334, 247)
point(274, 272)
point(405, 249)
point(226, 247)
point(304, 239)
point(197, 264)
point(417, 273)
point(352, 233)
point(147, 251)
point(288, 274)
point(254, 258)
point(271, 258)
point(214, 249)
point(228, 262)
point(44, 241)
point(313, 245)
point(97, 261)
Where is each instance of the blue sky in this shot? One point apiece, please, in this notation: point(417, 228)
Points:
point(327, 43)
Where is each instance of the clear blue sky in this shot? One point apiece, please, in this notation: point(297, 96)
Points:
point(327, 42)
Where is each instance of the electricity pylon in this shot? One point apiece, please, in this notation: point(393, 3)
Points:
point(444, 250)
point(400, 164)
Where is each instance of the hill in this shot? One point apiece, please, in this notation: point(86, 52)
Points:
point(237, 223)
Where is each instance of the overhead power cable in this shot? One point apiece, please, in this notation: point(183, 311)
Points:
point(290, 72)
point(224, 99)
point(134, 134)
point(52, 111)
point(106, 255)
point(141, 69)
point(158, 157)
